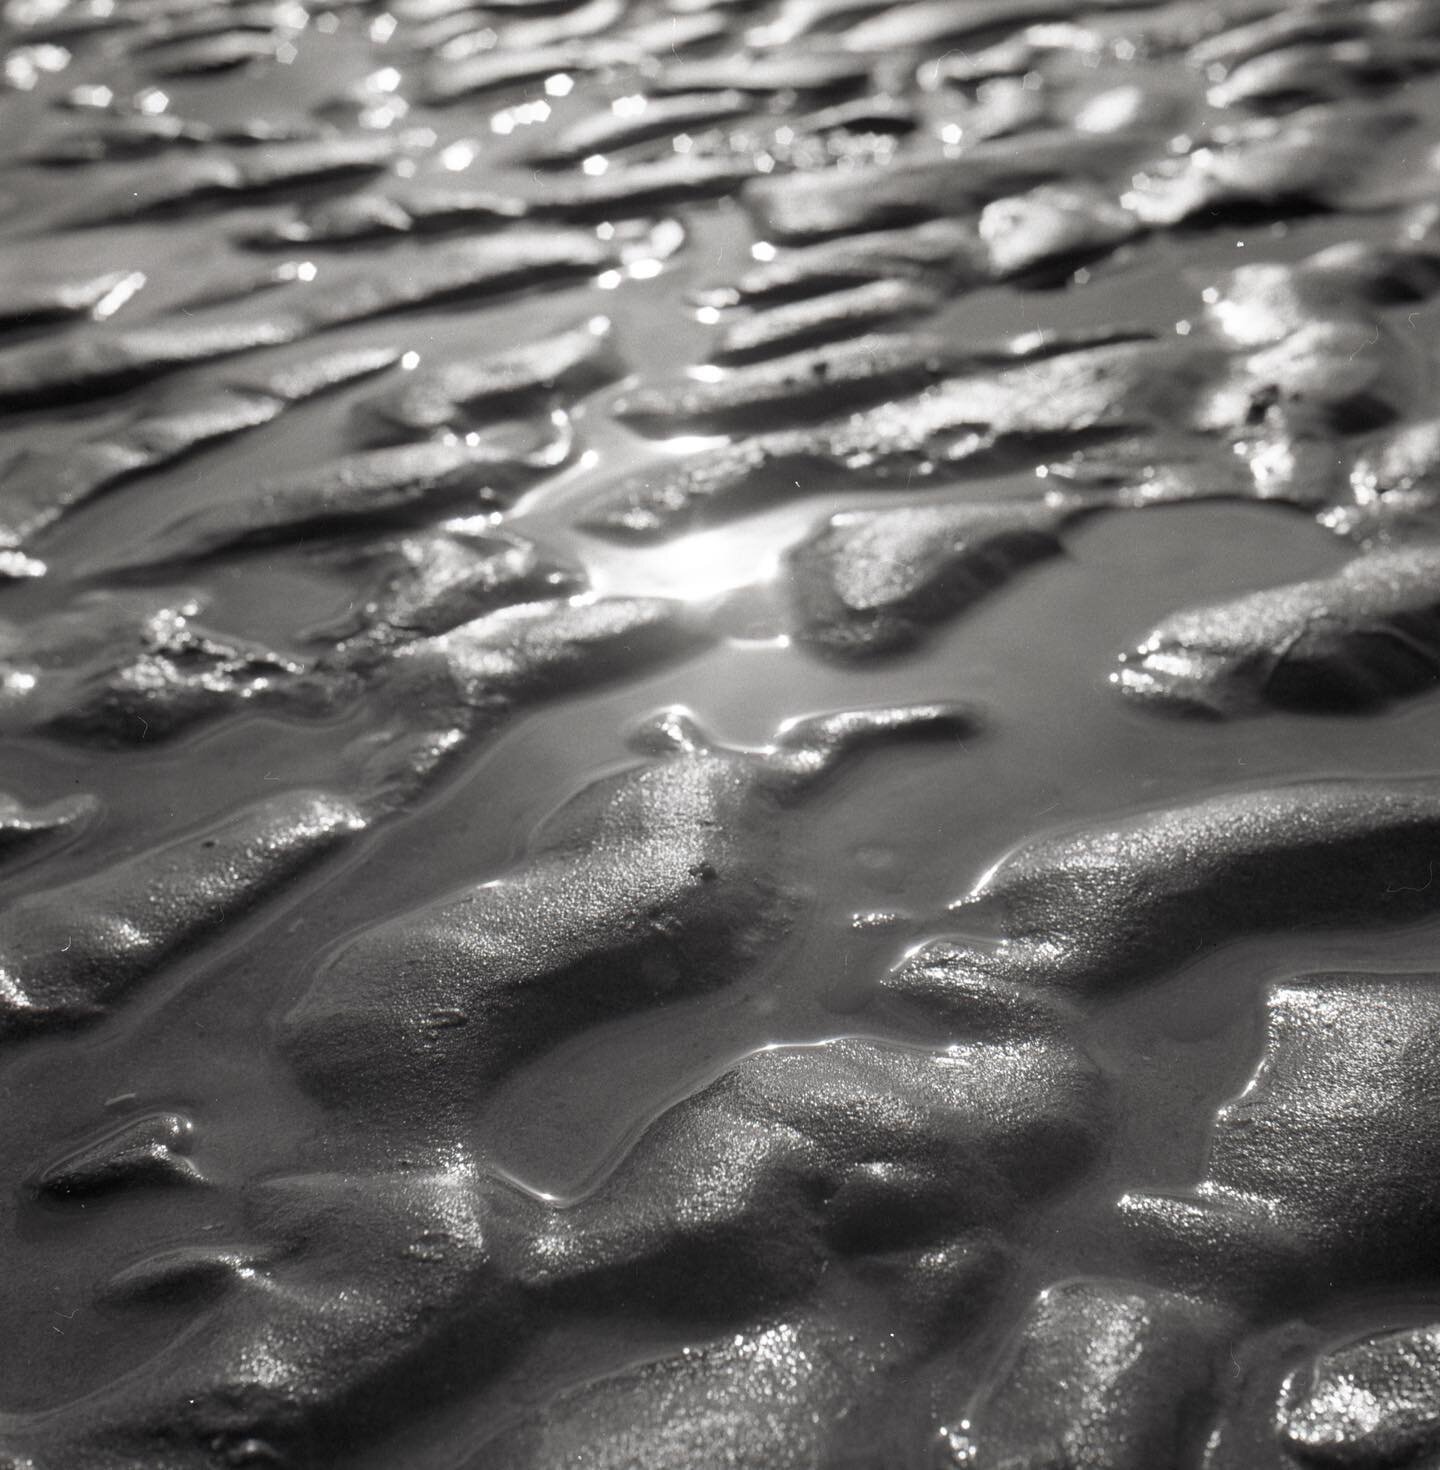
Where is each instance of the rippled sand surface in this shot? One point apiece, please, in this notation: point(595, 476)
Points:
point(719, 731)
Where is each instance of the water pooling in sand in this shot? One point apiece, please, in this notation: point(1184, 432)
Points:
point(718, 707)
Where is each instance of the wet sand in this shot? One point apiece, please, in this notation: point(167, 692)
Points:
point(719, 733)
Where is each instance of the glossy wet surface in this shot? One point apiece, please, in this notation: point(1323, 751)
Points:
point(719, 733)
